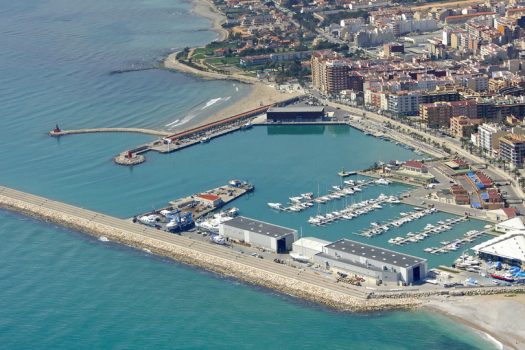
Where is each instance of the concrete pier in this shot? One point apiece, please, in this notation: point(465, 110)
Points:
point(97, 130)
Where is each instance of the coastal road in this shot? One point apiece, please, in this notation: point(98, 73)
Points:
point(293, 274)
point(494, 172)
point(447, 4)
point(418, 197)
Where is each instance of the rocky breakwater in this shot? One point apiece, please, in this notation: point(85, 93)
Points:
point(453, 292)
point(205, 255)
point(126, 159)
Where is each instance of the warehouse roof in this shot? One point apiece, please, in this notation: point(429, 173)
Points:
point(512, 224)
point(510, 245)
point(310, 109)
point(327, 258)
point(312, 243)
point(375, 253)
point(257, 226)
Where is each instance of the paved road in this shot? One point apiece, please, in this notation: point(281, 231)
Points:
point(513, 191)
point(305, 276)
point(419, 198)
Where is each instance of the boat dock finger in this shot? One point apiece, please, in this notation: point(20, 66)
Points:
point(429, 230)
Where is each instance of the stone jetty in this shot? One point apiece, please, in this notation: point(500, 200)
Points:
point(58, 132)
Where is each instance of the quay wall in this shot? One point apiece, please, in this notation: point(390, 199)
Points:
point(285, 279)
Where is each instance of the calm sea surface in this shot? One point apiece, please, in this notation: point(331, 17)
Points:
point(94, 64)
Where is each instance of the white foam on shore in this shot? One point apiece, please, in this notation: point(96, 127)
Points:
point(211, 102)
point(493, 340)
point(195, 112)
point(173, 122)
point(179, 122)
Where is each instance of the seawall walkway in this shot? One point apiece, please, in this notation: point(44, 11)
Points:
point(96, 130)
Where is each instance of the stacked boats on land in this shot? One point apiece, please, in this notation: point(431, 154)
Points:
point(211, 223)
point(353, 211)
point(467, 262)
point(307, 200)
point(378, 229)
point(175, 220)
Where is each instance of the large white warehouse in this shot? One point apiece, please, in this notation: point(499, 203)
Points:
point(259, 234)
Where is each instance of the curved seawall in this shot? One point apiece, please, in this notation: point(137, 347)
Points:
point(97, 130)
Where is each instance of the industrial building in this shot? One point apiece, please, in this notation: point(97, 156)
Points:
point(514, 224)
point(507, 248)
point(375, 262)
point(307, 247)
point(259, 234)
point(295, 114)
point(209, 199)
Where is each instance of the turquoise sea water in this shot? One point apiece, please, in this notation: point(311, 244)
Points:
point(68, 62)
point(63, 290)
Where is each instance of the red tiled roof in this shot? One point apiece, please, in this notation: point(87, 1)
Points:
point(210, 197)
point(470, 15)
point(510, 212)
point(414, 164)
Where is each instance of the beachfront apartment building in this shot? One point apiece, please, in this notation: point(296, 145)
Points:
point(462, 126)
point(330, 75)
point(403, 103)
point(512, 149)
point(489, 135)
point(438, 114)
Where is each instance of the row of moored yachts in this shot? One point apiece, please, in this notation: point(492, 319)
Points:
point(377, 229)
point(427, 231)
point(307, 200)
point(353, 211)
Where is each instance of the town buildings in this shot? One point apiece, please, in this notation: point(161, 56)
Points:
point(512, 149)
point(438, 114)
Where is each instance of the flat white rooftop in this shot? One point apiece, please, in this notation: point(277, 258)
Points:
point(259, 227)
point(511, 245)
point(311, 243)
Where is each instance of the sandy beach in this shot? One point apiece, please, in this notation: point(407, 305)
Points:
point(261, 94)
point(207, 9)
point(500, 316)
